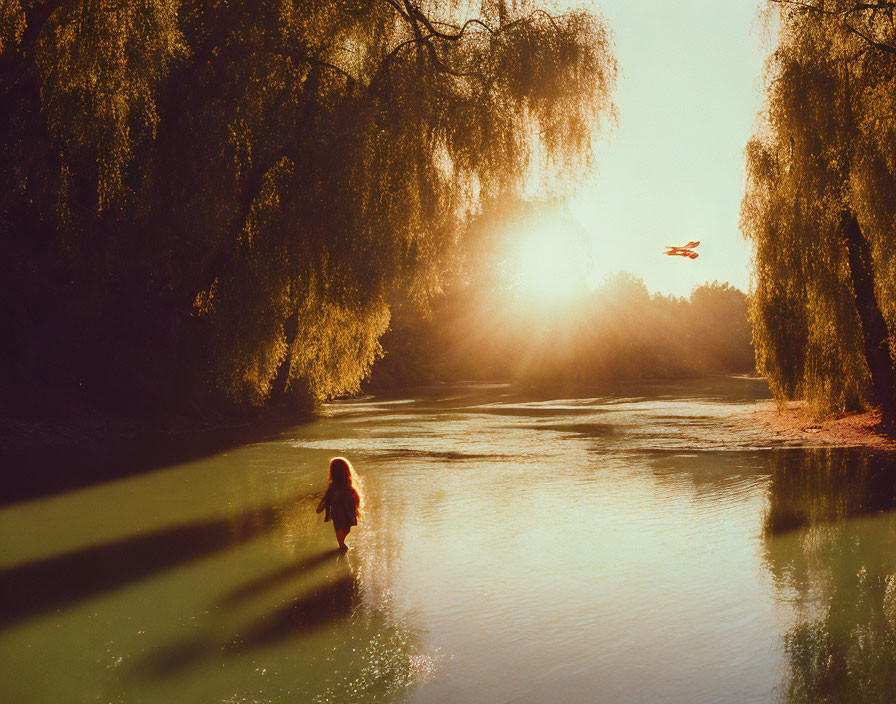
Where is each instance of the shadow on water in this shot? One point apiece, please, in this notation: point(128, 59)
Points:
point(583, 430)
point(325, 603)
point(535, 411)
point(35, 472)
point(830, 545)
point(35, 587)
point(367, 658)
point(442, 456)
point(261, 584)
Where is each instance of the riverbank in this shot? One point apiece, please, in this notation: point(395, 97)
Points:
point(793, 424)
point(58, 442)
point(213, 578)
point(48, 419)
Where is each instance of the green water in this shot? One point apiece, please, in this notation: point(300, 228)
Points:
point(645, 544)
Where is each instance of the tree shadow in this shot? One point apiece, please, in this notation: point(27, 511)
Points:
point(324, 604)
point(256, 586)
point(34, 472)
point(35, 587)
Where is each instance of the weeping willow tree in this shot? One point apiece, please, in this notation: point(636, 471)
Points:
point(229, 197)
point(820, 206)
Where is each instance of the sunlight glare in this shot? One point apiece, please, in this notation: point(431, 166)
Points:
point(551, 267)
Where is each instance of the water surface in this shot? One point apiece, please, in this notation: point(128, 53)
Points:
point(631, 545)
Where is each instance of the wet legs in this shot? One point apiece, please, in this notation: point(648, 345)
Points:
point(340, 536)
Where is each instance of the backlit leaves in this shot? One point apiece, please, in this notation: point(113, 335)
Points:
point(258, 183)
point(101, 62)
point(826, 143)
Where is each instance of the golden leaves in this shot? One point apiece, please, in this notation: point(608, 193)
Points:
point(12, 24)
point(821, 148)
point(300, 165)
point(101, 63)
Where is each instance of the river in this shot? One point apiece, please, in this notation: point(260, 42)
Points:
point(633, 544)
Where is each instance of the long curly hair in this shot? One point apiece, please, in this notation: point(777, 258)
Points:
point(343, 476)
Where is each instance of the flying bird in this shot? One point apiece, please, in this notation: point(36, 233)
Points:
point(686, 250)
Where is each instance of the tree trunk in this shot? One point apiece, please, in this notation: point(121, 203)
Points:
point(281, 380)
point(874, 327)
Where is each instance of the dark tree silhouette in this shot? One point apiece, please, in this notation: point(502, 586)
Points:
point(222, 199)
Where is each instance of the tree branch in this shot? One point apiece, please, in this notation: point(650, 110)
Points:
point(459, 31)
point(873, 42)
point(425, 21)
point(395, 6)
point(858, 7)
point(845, 14)
point(413, 15)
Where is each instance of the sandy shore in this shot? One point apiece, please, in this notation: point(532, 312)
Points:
point(793, 424)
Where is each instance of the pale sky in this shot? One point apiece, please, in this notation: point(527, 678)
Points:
point(673, 170)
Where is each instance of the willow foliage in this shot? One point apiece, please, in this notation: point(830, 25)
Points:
point(238, 192)
point(826, 145)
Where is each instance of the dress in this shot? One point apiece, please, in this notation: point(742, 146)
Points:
point(342, 508)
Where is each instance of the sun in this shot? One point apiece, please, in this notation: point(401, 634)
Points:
point(551, 266)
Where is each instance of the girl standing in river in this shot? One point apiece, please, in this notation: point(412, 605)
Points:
point(342, 499)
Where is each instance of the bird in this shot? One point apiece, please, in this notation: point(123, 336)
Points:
point(686, 250)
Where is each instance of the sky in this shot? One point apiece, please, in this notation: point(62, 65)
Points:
point(673, 169)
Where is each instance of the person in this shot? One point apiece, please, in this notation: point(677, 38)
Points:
point(342, 499)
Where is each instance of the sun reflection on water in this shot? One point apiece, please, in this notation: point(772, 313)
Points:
point(646, 545)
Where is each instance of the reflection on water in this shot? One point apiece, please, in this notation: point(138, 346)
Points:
point(830, 540)
point(624, 545)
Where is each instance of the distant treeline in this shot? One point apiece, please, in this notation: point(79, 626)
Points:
point(211, 204)
point(617, 331)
